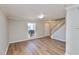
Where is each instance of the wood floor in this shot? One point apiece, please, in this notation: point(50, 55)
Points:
point(43, 46)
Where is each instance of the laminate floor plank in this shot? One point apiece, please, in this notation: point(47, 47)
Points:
point(41, 46)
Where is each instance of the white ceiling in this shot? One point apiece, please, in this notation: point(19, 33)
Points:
point(32, 11)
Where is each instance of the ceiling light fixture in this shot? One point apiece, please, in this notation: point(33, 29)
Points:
point(41, 16)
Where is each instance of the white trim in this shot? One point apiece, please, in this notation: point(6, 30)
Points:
point(67, 53)
point(19, 40)
point(6, 49)
point(73, 6)
point(59, 40)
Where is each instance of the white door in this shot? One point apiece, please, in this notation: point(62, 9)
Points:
point(72, 34)
point(74, 31)
point(31, 30)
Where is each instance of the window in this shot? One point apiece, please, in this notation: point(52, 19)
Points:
point(31, 26)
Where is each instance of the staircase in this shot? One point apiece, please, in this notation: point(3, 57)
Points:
point(57, 30)
point(57, 24)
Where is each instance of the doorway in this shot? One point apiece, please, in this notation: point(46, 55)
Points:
point(31, 30)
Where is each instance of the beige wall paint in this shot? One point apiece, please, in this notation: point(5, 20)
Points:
point(47, 29)
point(18, 30)
point(3, 34)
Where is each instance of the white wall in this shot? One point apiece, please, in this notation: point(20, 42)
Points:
point(47, 29)
point(60, 34)
point(18, 30)
point(40, 30)
point(3, 34)
point(72, 30)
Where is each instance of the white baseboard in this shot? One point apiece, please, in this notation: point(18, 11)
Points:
point(6, 49)
point(19, 40)
point(59, 40)
point(67, 53)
